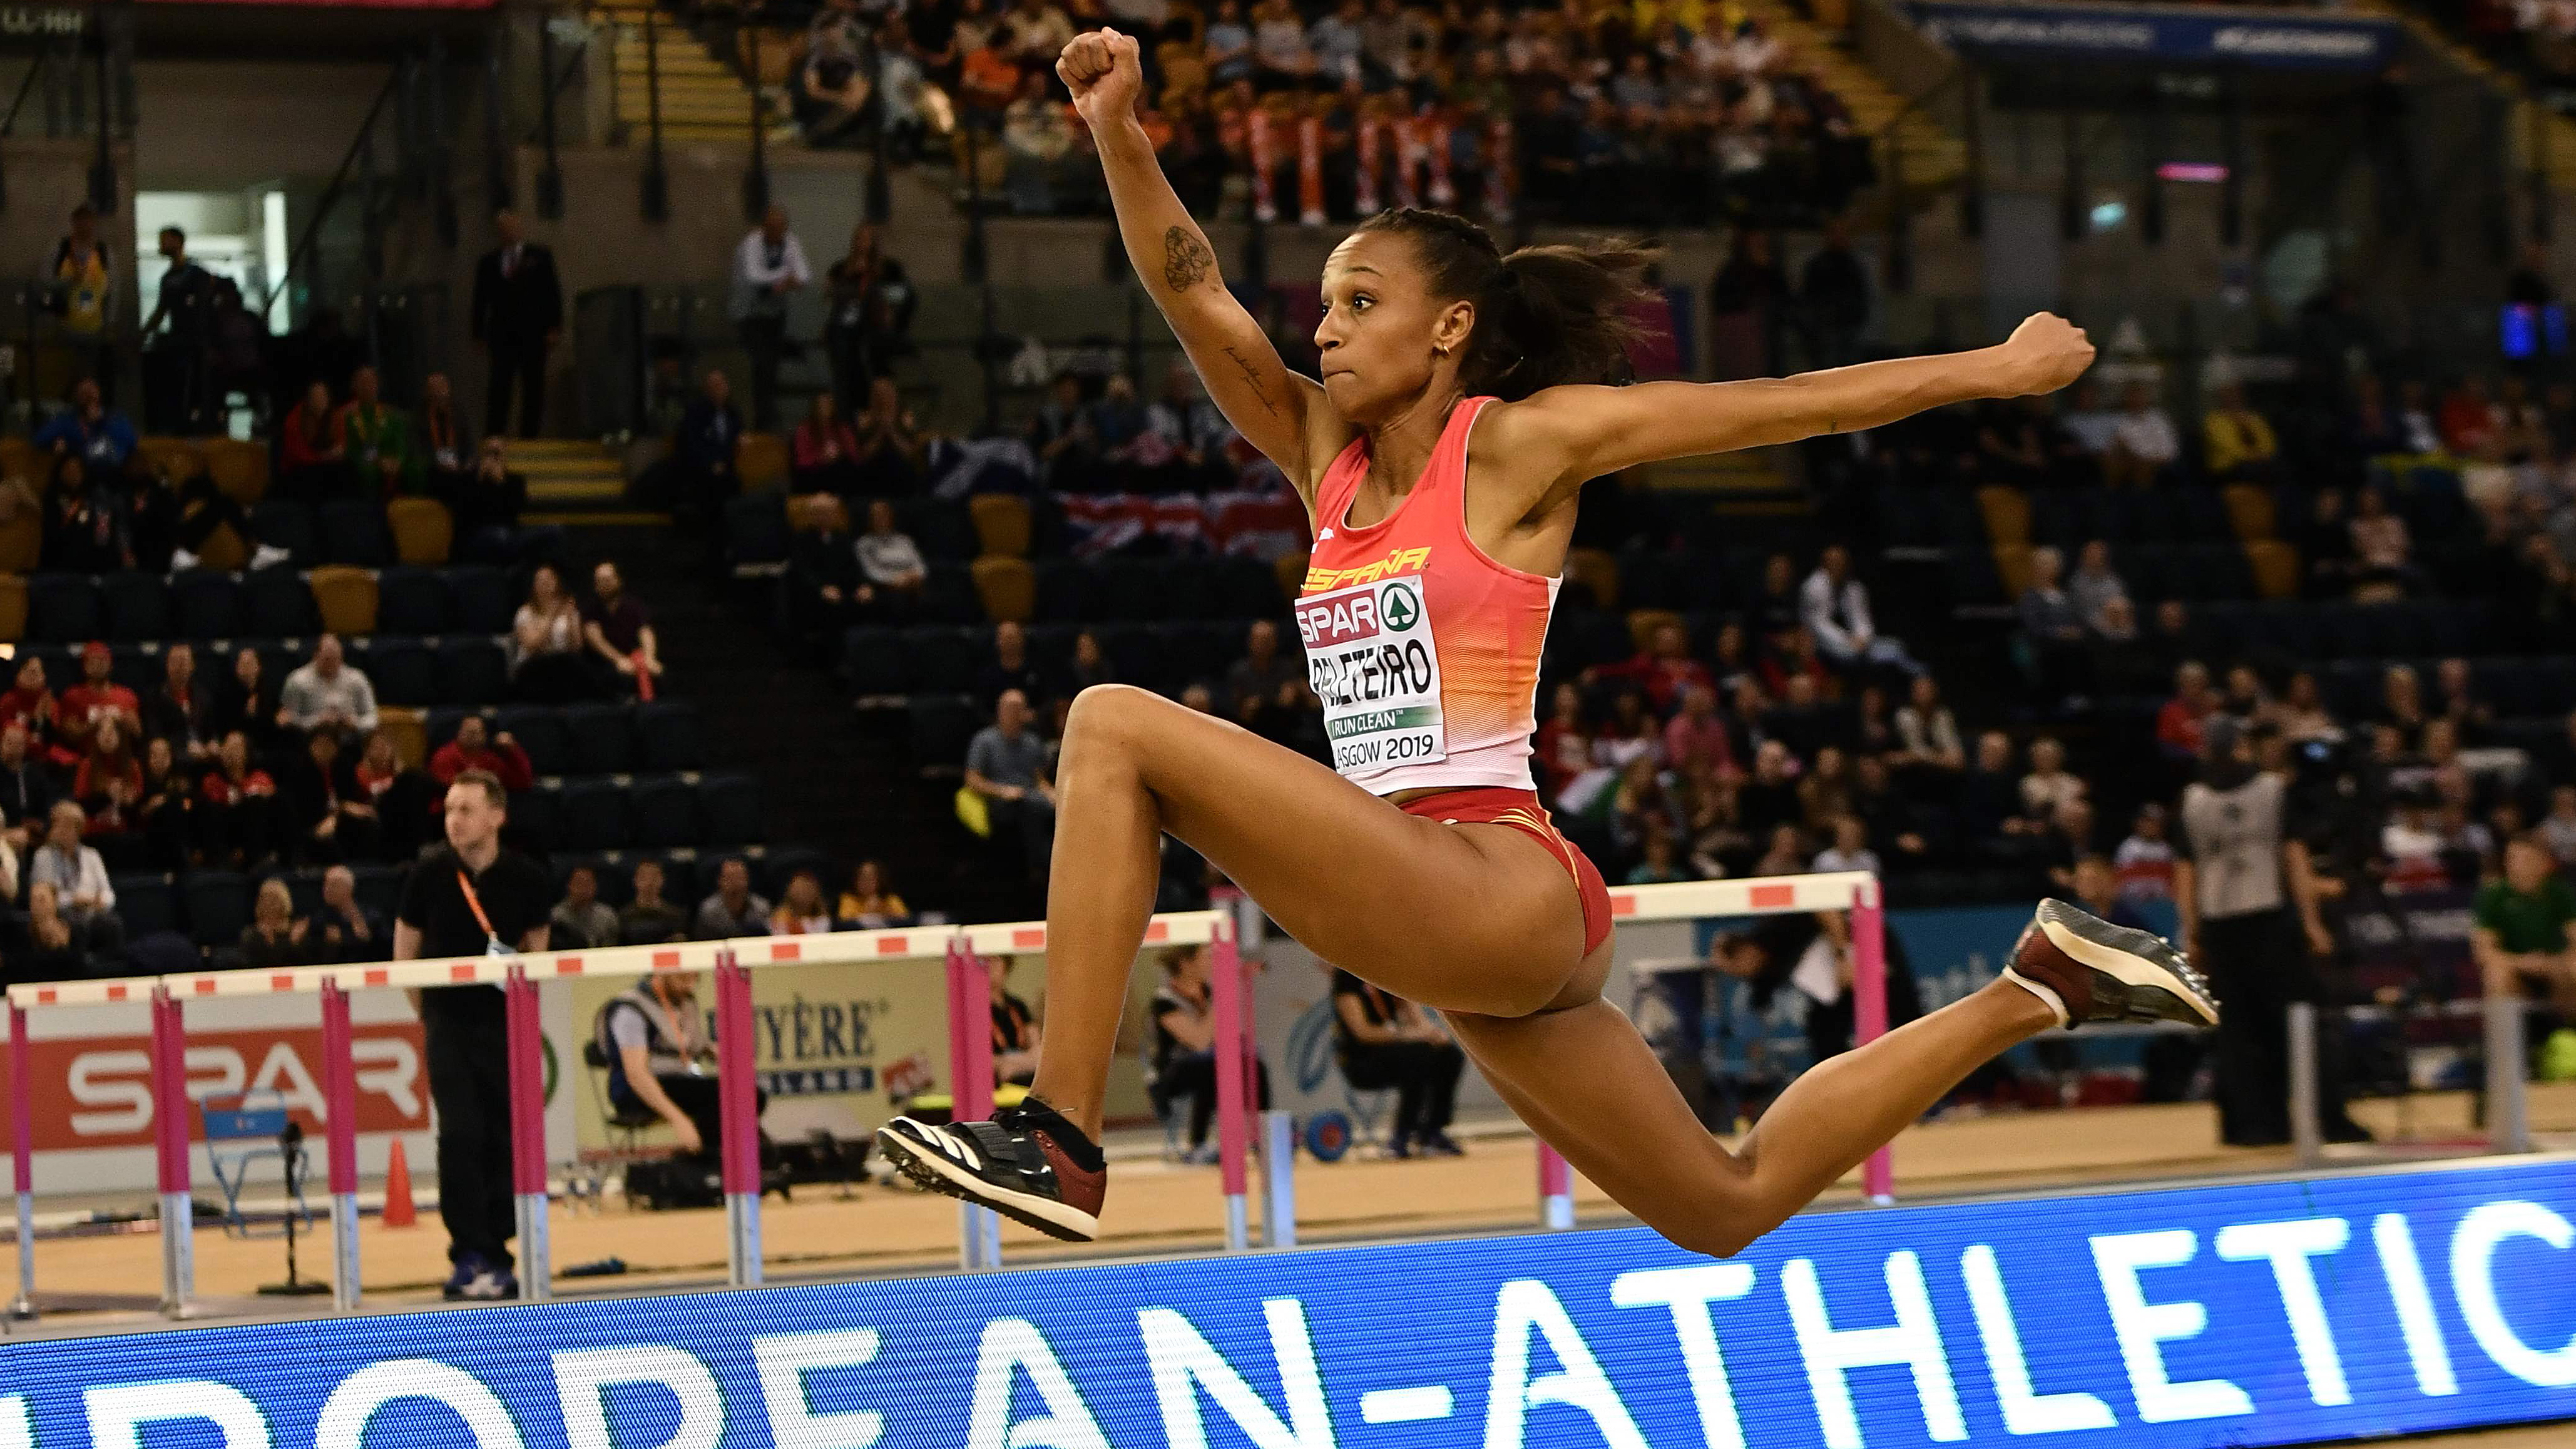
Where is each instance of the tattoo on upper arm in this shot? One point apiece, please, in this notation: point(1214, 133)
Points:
point(1186, 259)
point(1252, 380)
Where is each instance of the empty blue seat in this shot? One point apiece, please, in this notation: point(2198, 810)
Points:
point(601, 738)
point(775, 869)
point(1242, 588)
point(756, 531)
point(485, 603)
point(1579, 639)
point(666, 735)
point(471, 670)
point(278, 604)
point(379, 889)
point(1972, 579)
point(1064, 591)
point(876, 660)
point(282, 523)
point(948, 658)
point(137, 606)
point(64, 609)
point(146, 902)
point(729, 803)
point(353, 532)
point(540, 731)
point(2200, 514)
point(941, 726)
point(209, 605)
point(941, 526)
point(665, 813)
point(218, 906)
point(594, 816)
point(536, 818)
point(948, 595)
point(403, 671)
point(413, 601)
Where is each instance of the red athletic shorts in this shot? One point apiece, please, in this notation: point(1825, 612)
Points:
point(1519, 809)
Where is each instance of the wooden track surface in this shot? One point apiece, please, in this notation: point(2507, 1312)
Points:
point(103, 1281)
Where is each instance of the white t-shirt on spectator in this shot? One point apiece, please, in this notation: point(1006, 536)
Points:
point(2149, 434)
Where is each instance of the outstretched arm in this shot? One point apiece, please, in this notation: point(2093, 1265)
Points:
point(1573, 434)
point(1277, 411)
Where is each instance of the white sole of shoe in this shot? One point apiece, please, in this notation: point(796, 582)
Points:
point(1055, 1219)
point(2125, 968)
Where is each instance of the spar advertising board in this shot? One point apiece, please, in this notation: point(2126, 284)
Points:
point(2344, 1306)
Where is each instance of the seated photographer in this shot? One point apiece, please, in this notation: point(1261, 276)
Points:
point(1386, 1041)
point(1184, 1017)
point(654, 1037)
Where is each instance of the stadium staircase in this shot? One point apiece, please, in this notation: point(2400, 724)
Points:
point(704, 95)
point(1934, 160)
point(571, 480)
point(2555, 135)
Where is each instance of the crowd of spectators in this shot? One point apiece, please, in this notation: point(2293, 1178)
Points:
point(1637, 114)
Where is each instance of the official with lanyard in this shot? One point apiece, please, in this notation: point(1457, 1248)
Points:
point(473, 898)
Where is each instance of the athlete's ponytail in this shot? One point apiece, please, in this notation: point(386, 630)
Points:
point(1545, 315)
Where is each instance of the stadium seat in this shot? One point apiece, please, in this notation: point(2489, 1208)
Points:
point(1289, 570)
point(876, 660)
point(2251, 512)
point(281, 523)
point(760, 462)
point(949, 657)
point(2005, 511)
point(941, 726)
point(540, 731)
point(22, 543)
point(172, 460)
point(413, 601)
point(438, 725)
point(536, 818)
point(2275, 566)
point(225, 551)
point(948, 595)
point(756, 532)
point(137, 606)
point(240, 470)
point(64, 609)
point(404, 725)
point(1642, 624)
point(1597, 570)
point(278, 603)
point(1578, 639)
point(941, 527)
point(730, 805)
point(1006, 587)
point(666, 735)
point(1002, 524)
point(13, 608)
point(2011, 569)
point(483, 599)
point(423, 531)
point(353, 532)
point(1241, 587)
point(147, 902)
point(665, 812)
point(402, 670)
point(345, 599)
point(594, 816)
point(218, 904)
point(601, 736)
point(208, 605)
point(471, 671)
point(1064, 591)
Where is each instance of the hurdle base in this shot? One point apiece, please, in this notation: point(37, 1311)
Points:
point(1238, 1223)
point(742, 1239)
point(535, 1278)
point(178, 1254)
point(1556, 1213)
point(22, 1308)
point(344, 1251)
point(1278, 1180)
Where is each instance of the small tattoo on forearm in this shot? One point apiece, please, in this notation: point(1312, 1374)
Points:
point(1186, 259)
point(1252, 380)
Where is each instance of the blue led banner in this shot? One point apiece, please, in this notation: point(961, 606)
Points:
point(2274, 1313)
point(2197, 36)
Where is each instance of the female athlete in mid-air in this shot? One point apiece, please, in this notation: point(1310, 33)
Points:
point(1458, 414)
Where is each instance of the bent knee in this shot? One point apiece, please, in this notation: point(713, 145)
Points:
point(1110, 714)
point(1717, 1240)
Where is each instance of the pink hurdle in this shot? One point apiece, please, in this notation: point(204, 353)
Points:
point(970, 1090)
point(528, 1132)
point(1869, 1014)
point(340, 1132)
point(170, 1141)
point(22, 1151)
point(738, 1103)
point(1233, 1124)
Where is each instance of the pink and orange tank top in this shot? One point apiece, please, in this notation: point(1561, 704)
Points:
point(1424, 650)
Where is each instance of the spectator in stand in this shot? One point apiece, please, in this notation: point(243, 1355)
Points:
point(1256, 678)
point(80, 282)
point(274, 939)
point(890, 447)
point(2469, 417)
point(1663, 668)
point(2557, 829)
point(2455, 699)
point(767, 266)
point(474, 748)
point(1016, 1034)
point(248, 702)
point(180, 710)
point(237, 808)
point(1183, 1060)
point(80, 532)
point(2236, 442)
point(1833, 298)
point(823, 588)
point(1835, 608)
point(1383, 1041)
point(517, 317)
point(801, 911)
point(825, 457)
point(95, 700)
point(30, 703)
point(619, 630)
point(344, 930)
point(1850, 850)
point(649, 920)
point(323, 808)
point(1191, 427)
point(1659, 860)
point(1927, 732)
point(891, 562)
point(1991, 814)
point(1005, 764)
point(110, 776)
point(487, 502)
point(870, 904)
point(1282, 60)
point(1695, 739)
point(328, 694)
point(1088, 666)
point(2094, 585)
point(26, 789)
point(2144, 446)
point(732, 909)
point(54, 951)
point(1787, 854)
point(2061, 664)
point(313, 450)
point(1010, 668)
point(548, 659)
point(2050, 786)
point(167, 817)
point(100, 437)
point(2301, 714)
point(2381, 551)
point(378, 438)
point(2145, 861)
point(2179, 723)
point(78, 875)
point(2325, 547)
point(581, 920)
point(1748, 302)
point(444, 454)
point(703, 472)
point(2521, 935)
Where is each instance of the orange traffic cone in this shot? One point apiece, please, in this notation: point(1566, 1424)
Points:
point(398, 1208)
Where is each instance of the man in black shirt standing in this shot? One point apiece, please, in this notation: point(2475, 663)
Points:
point(517, 317)
point(473, 899)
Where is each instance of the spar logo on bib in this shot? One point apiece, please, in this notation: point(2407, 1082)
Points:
point(1371, 659)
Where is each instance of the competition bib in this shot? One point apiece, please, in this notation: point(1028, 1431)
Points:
point(1370, 657)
